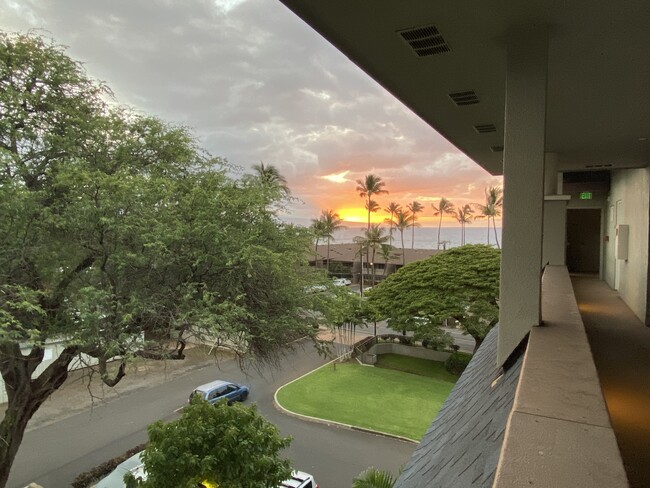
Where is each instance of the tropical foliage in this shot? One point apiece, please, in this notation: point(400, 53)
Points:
point(461, 283)
point(464, 216)
point(228, 446)
point(415, 208)
point(444, 207)
point(491, 209)
point(324, 228)
point(119, 233)
point(373, 478)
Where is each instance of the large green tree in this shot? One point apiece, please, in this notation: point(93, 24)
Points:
point(462, 283)
point(228, 446)
point(119, 233)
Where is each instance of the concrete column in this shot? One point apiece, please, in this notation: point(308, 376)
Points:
point(554, 240)
point(523, 182)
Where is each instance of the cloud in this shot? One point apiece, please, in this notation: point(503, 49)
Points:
point(257, 84)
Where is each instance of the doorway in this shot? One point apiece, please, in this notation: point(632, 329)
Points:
point(583, 240)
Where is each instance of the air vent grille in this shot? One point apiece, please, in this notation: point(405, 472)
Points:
point(425, 41)
point(496, 149)
point(468, 97)
point(485, 128)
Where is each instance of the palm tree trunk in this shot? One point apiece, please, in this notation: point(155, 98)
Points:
point(488, 230)
point(494, 227)
point(413, 235)
point(403, 257)
point(316, 253)
point(328, 255)
point(439, 225)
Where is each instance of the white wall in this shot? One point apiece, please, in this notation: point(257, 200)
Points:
point(53, 350)
point(629, 203)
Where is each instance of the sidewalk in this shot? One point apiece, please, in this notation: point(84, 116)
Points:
point(84, 390)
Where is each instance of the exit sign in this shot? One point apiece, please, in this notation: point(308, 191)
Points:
point(585, 195)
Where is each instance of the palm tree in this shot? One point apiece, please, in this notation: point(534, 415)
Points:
point(392, 209)
point(375, 238)
point(444, 207)
point(331, 222)
point(373, 478)
point(415, 208)
point(369, 186)
point(318, 229)
point(386, 252)
point(491, 209)
point(402, 222)
point(464, 216)
point(270, 177)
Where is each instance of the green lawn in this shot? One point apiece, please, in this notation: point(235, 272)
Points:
point(376, 398)
point(422, 367)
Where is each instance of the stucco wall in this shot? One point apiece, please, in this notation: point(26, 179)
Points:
point(629, 203)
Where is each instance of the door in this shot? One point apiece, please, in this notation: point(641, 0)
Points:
point(583, 240)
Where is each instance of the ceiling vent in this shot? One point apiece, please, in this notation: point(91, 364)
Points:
point(425, 41)
point(496, 149)
point(468, 97)
point(485, 128)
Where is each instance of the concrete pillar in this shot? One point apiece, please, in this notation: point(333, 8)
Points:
point(523, 182)
point(554, 240)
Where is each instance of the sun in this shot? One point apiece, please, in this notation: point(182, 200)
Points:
point(352, 214)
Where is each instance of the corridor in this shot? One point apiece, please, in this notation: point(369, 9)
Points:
point(620, 345)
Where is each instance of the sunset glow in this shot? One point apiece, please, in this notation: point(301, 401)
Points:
point(352, 214)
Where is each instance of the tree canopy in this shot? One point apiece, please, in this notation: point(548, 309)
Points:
point(462, 283)
point(119, 233)
point(228, 446)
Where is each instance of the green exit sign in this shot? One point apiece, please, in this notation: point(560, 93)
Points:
point(585, 195)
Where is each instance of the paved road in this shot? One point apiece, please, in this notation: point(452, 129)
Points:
point(54, 454)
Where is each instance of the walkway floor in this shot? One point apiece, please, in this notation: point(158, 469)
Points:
point(620, 344)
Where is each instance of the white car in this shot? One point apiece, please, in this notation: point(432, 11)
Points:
point(299, 480)
point(341, 282)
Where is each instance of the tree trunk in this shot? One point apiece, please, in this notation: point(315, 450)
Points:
point(328, 255)
point(439, 225)
point(25, 395)
point(316, 254)
point(403, 257)
point(477, 345)
point(494, 227)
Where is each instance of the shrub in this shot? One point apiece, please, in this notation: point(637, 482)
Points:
point(457, 362)
point(84, 480)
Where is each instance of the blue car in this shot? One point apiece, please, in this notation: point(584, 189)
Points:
point(215, 391)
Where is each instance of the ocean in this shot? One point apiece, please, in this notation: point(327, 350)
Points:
point(425, 237)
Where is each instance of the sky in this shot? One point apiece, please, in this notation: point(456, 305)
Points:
point(257, 84)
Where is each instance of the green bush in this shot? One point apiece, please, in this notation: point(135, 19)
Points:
point(457, 362)
point(84, 480)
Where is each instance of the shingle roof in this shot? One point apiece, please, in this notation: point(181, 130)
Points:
point(461, 448)
point(350, 253)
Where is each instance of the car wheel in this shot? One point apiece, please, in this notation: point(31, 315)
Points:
point(243, 397)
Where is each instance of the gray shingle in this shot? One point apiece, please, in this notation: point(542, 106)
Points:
point(462, 446)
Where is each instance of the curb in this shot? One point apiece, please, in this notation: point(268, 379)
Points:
point(332, 422)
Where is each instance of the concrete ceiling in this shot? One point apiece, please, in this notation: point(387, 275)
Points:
point(598, 109)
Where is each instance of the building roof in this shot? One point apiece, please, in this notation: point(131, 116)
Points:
point(349, 253)
point(462, 446)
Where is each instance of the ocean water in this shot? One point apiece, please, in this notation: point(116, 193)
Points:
point(425, 237)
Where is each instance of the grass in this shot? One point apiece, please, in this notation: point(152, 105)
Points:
point(381, 399)
point(422, 367)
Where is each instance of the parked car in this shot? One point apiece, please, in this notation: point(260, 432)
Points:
point(299, 480)
point(341, 282)
point(217, 390)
